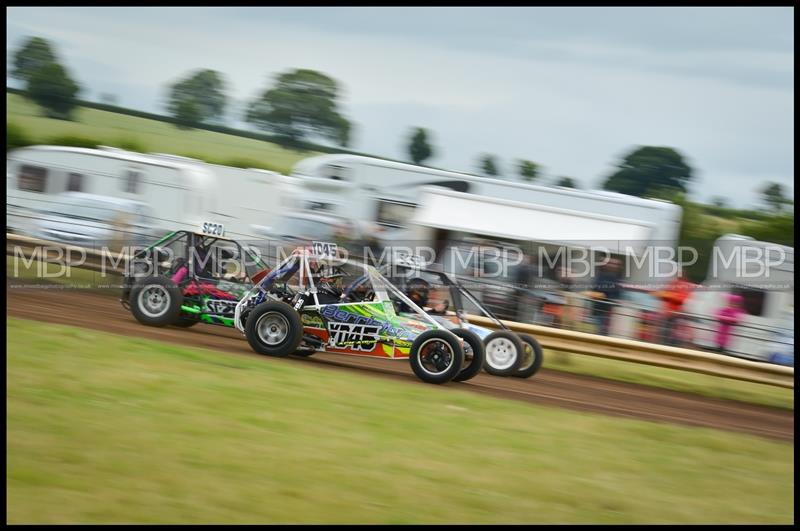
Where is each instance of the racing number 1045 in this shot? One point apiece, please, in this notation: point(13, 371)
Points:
point(324, 249)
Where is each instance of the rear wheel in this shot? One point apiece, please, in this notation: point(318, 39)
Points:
point(155, 301)
point(273, 328)
point(504, 353)
point(436, 356)
point(474, 354)
point(532, 357)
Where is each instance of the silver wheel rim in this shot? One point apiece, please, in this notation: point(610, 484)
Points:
point(154, 300)
point(272, 328)
point(501, 353)
point(426, 365)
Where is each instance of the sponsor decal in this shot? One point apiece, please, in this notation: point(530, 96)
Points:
point(313, 321)
point(416, 325)
point(219, 307)
point(343, 315)
point(358, 337)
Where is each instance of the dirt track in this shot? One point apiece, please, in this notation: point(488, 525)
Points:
point(555, 388)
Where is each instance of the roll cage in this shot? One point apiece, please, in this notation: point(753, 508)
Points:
point(454, 287)
point(155, 251)
point(299, 262)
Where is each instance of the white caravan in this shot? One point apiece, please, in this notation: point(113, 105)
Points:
point(387, 193)
point(445, 215)
point(247, 200)
point(179, 195)
point(182, 193)
point(763, 274)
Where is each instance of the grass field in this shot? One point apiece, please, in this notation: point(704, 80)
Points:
point(152, 135)
point(103, 428)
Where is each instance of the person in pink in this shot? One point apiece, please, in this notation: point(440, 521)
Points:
point(728, 317)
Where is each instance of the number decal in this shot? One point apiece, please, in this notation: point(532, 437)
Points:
point(410, 260)
point(324, 249)
point(213, 229)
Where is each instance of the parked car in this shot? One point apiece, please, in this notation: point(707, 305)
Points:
point(90, 220)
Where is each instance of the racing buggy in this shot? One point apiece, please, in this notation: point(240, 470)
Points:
point(506, 353)
point(315, 300)
point(190, 277)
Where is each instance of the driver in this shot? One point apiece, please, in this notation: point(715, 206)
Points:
point(204, 263)
point(418, 290)
point(329, 285)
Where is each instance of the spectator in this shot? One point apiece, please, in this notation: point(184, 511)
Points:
point(728, 317)
point(570, 314)
point(608, 293)
point(674, 297)
point(523, 278)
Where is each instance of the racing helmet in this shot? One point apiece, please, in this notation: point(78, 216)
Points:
point(418, 289)
point(329, 280)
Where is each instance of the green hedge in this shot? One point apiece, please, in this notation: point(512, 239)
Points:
point(299, 146)
point(74, 141)
point(16, 137)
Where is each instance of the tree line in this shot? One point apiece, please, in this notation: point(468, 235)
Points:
point(303, 104)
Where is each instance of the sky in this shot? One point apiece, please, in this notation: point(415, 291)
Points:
point(573, 89)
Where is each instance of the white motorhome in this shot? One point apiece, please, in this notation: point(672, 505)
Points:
point(181, 192)
point(387, 192)
point(762, 273)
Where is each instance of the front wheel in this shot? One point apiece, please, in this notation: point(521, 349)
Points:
point(273, 328)
point(436, 356)
point(532, 357)
point(474, 354)
point(504, 353)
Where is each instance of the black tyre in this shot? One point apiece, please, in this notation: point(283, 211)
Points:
point(474, 354)
point(436, 356)
point(504, 353)
point(155, 301)
point(532, 358)
point(274, 328)
point(185, 322)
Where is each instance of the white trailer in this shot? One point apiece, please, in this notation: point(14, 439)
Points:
point(483, 239)
point(36, 177)
point(762, 273)
point(246, 200)
point(181, 192)
point(387, 193)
